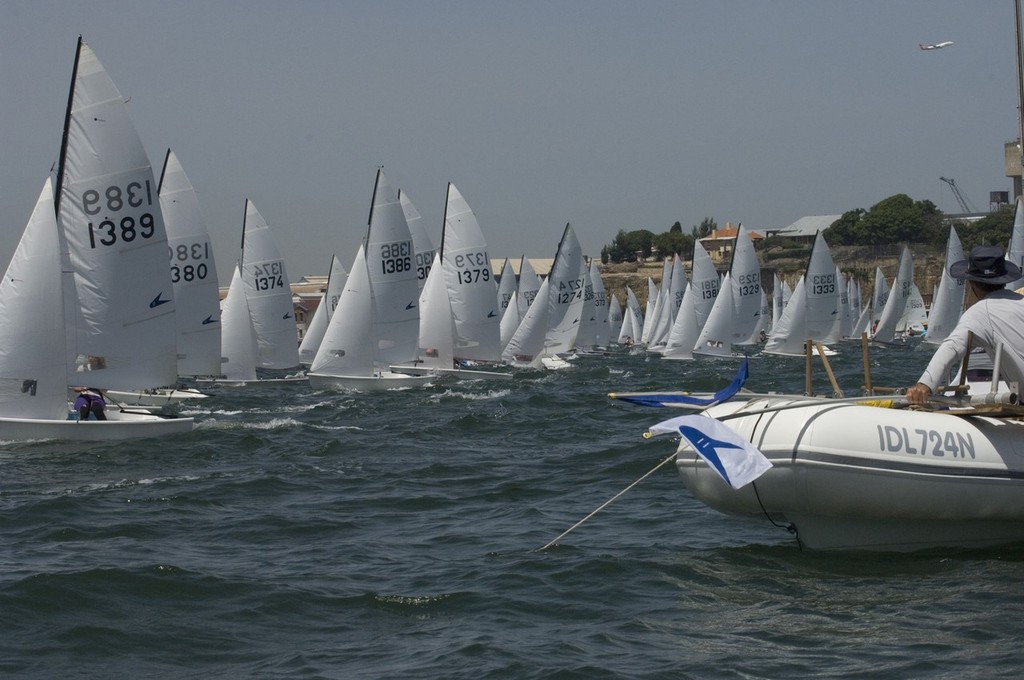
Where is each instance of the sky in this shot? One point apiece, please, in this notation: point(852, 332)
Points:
point(606, 115)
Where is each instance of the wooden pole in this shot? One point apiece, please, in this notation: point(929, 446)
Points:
point(866, 358)
point(808, 390)
point(828, 370)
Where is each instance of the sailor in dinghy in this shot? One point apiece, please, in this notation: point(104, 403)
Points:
point(992, 316)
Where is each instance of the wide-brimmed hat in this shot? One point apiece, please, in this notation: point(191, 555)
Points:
point(985, 264)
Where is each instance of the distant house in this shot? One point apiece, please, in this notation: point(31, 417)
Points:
point(804, 229)
point(720, 243)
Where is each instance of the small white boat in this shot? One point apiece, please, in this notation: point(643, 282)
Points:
point(81, 293)
point(848, 475)
point(376, 322)
point(154, 398)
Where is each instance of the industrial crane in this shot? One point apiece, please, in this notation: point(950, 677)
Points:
point(964, 205)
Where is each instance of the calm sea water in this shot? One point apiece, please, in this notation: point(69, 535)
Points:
point(304, 534)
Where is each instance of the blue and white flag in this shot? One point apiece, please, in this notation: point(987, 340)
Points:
point(738, 461)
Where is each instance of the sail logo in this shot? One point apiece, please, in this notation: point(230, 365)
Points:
point(157, 301)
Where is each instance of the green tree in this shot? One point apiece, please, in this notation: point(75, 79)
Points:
point(676, 242)
point(707, 226)
point(897, 219)
point(994, 229)
point(627, 244)
point(845, 230)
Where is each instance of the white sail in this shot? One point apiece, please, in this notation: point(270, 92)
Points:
point(745, 278)
point(472, 289)
point(529, 286)
point(629, 325)
point(650, 310)
point(437, 325)
point(586, 335)
point(193, 273)
point(506, 288)
point(879, 296)
point(789, 335)
point(526, 347)
point(324, 311)
point(949, 296)
point(422, 244)
point(121, 326)
point(821, 295)
point(510, 321)
point(914, 315)
point(634, 317)
point(614, 318)
point(705, 277)
point(762, 322)
point(238, 339)
point(715, 337)
point(661, 320)
point(846, 317)
point(348, 345)
point(565, 294)
point(676, 292)
point(686, 329)
point(600, 306)
point(777, 301)
point(395, 292)
point(269, 294)
point(896, 303)
point(33, 367)
point(1015, 251)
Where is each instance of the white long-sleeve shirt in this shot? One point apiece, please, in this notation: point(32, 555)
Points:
point(997, 318)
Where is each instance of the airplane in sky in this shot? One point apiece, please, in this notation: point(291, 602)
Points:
point(936, 46)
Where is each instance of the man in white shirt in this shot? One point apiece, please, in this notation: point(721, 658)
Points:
point(992, 315)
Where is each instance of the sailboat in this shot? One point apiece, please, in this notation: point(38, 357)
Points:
point(949, 295)
point(812, 314)
point(698, 301)
point(88, 288)
point(506, 289)
point(737, 309)
point(376, 323)
point(546, 332)
point(421, 241)
point(196, 294)
point(459, 320)
point(896, 302)
point(33, 350)
point(258, 321)
point(324, 311)
point(593, 333)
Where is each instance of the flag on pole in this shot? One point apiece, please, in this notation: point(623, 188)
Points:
point(734, 458)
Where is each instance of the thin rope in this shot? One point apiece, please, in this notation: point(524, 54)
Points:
point(606, 503)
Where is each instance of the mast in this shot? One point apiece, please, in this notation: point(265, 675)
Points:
point(1020, 83)
point(67, 122)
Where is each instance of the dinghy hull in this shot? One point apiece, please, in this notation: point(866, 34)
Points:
point(384, 380)
point(850, 476)
point(119, 426)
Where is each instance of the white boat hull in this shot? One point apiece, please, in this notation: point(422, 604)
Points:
point(378, 382)
point(153, 398)
point(457, 373)
point(118, 426)
point(850, 476)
